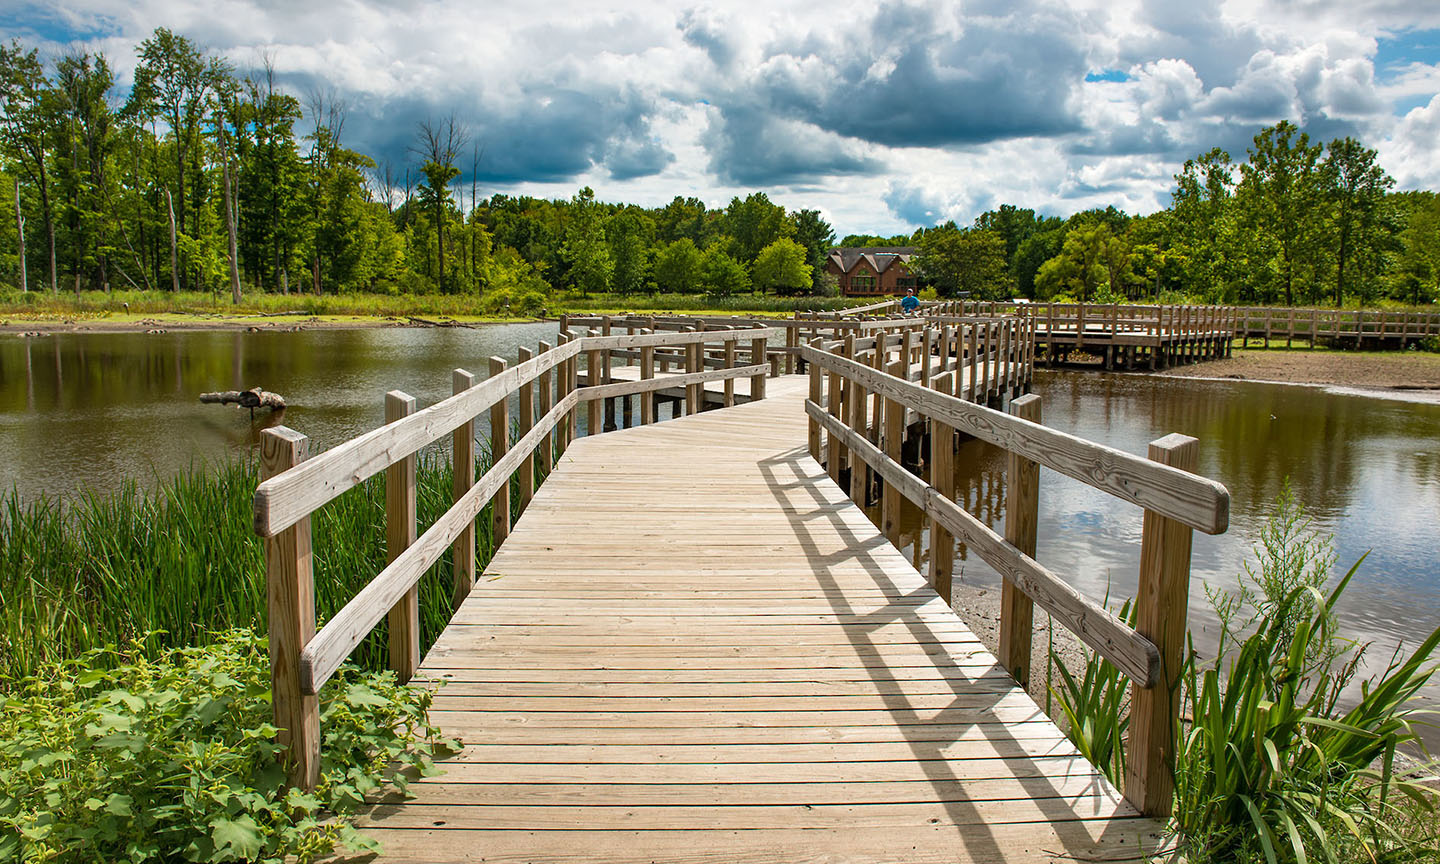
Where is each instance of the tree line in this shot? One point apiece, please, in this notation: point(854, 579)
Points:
point(1296, 222)
point(205, 179)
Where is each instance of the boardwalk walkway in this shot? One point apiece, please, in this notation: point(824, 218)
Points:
point(693, 647)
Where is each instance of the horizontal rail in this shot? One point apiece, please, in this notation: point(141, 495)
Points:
point(343, 633)
point(1198, 502)
point(1096, 626)
point(284, 499)
point(666, 380)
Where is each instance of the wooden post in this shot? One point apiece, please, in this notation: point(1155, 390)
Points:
point(833, 447)
point(694, 393)
point(404, 616)
point(792, 342)
point(730, 364)
point(290, 602)
point(526, 406)
point(594, 377)
point(1022, 514)
point(973, 369)
point(859, 482)
point(499, 446)
point(757, 358)
point(890, 496)
point(463, 462)
point(1161, 616)
point(547, 447)
point(817, 393)
point(647, 372)
point(942, 477)
point(877, 408)
point(927, 342)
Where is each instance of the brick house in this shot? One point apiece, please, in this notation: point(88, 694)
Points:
point(871, 271)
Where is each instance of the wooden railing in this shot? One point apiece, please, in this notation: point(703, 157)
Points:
point(295, 486)
point(1342, 325)
point(845, 376)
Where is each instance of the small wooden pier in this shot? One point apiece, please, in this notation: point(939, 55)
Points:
point(696, 643)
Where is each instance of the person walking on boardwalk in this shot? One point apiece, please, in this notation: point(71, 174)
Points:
point(909, 303)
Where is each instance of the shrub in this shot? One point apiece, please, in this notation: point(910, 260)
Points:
point(109, 758)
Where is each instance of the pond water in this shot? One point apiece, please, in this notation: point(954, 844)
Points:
point(87, 410)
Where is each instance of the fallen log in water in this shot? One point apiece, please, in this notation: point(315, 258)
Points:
point(252, 398)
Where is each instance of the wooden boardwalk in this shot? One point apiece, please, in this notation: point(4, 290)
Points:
point(693, 647)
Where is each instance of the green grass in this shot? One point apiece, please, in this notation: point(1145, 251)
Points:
point(169, 567)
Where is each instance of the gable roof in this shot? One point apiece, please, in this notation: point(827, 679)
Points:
point(880, 258)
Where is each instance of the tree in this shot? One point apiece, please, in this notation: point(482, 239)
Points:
point(1080, 267)
point(1280, 196)
point(1200, 204)
point(1355, 186)
point(816, 235)
point(27, 126)
point(1416, 275)
point(964, 261)
point(781, 267)
point(678, 267)
point(439, 144)
point(585, 251)
point(629, 234)
point(755, 223)
point(721, 274)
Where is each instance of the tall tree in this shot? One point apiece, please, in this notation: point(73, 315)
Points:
point(781, 267)
point(816, 235)
point(1200, 203)
point(964, 262)
point(678, 266)
point(172, 81)
point(27, 126)
point(586, 251)
point(439, 144)
point(755, 223)
point(1355, 185)
point(1280, 196)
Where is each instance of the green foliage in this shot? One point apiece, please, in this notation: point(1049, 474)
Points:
point(678, 267)
point(112, 756)
point(781, 267)
point(167, 568)
point(1280, 759)
point(958, 261)
point(721, 275)
point(1095, 708)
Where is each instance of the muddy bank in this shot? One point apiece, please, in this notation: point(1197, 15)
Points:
point(178, 322)
point(1389, 371)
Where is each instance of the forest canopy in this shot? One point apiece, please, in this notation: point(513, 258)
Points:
point(202, 178)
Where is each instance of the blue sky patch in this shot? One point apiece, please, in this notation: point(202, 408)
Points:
point(1406, 47)
point(1113, 76)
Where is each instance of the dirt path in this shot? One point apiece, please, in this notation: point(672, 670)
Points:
point(1361, 370)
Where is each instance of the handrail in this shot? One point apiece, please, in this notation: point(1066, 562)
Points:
point(1175, 503)
point(1196, 501)
point(293, 487)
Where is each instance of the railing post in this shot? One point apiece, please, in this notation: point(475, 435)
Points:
point(834, 450)
point(1161, 616)
point(880, 363)
point(1022, 515)
point(463, 463)
point(594, 377)
point(890, 496)
point(525, 404)
point(730, 364)
point(971, 367)
point(859, 481)
point(694, 362)
point(547, 446)
point(816, 394)
point(942, 477)
point(290, 603)
point(757, 358)
point(499, 446)
point(792, 342)
point(404, 616)
point(647, 371)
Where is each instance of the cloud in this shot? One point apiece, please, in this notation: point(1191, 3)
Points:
point(750, 146)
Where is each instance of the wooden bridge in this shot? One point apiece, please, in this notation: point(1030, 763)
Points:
point(697, 642)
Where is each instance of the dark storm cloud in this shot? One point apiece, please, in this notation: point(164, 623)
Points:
point(541, 138)
point(749, 146)
point(908, 77)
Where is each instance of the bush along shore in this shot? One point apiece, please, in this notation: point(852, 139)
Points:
point(1283, 754)
point(134, 674)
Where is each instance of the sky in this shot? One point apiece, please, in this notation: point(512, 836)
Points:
point(883, 116)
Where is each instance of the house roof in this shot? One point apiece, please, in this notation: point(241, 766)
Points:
point(878, 257)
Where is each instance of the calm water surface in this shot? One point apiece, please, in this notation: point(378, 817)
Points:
point(87, 410)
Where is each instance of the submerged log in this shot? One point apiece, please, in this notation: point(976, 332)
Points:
point(252, 398)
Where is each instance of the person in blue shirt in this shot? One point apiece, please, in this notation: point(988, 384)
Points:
point(909, 303)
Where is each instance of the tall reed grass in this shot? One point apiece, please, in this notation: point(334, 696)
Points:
point(172, 565)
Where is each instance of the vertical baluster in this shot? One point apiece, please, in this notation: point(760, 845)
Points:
point(694, 393)
point(525, 405)
point(462, 451)
point(647, 372)
point(499, 446)
point(890, 497)
point(817, 387)
point(730, 364)
point(1161, 608)
point(757, 358)
point(1022, 509)
point(290, 604)
point(942, 477)
point(404, 616)
point(547, 447)
point(594, 377)
point(859, 481)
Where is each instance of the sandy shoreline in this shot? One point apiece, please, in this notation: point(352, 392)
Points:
point(1411, 375)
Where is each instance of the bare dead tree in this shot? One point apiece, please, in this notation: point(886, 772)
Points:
point(439, 143)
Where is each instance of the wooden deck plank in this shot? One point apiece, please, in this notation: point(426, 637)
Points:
point(694, 648)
